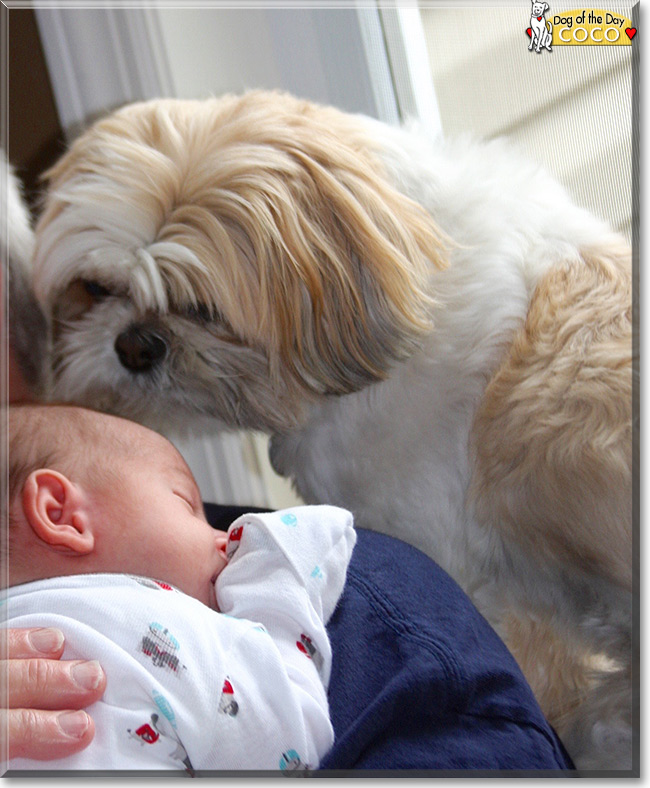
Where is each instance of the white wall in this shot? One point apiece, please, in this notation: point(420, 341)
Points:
point(571, 109)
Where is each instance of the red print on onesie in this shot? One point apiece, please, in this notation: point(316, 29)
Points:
point(227, 703)
point(234, 538)
point(309, 650)
point(159, 731)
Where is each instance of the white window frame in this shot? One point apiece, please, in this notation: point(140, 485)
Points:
point(100, 55)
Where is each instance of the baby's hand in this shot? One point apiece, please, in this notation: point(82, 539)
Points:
point(316, 542)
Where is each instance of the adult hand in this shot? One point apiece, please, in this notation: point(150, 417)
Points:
point(42, 696)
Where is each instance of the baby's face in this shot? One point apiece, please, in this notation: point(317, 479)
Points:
point(153, 522)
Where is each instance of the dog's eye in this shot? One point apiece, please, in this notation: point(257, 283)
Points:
point(200, 312)
point(94, 289)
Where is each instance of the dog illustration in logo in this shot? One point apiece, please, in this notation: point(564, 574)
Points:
point(541, 31)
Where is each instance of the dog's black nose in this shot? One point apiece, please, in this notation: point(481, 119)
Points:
point(138, 349)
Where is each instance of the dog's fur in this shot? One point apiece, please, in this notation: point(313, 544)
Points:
point(435, 336)
point(26, 323)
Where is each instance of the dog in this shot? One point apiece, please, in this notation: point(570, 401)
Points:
point(541, 30)
point(433, 334)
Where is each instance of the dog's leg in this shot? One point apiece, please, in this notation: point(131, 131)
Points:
point(588, 700)
point(553, 477)
point(548, 36)
point(598, 733)
point(541, 652)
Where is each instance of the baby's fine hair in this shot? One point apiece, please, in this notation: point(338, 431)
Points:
point(64, 438)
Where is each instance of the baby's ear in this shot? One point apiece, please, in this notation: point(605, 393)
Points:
point(54, 508)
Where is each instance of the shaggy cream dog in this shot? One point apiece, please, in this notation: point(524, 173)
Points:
point(435, 336)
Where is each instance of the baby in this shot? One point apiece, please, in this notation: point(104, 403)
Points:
point(214, 644)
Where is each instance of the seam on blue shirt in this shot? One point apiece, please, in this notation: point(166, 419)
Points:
point(392, 617)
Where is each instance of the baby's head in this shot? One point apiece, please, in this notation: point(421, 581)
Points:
point(89, 492)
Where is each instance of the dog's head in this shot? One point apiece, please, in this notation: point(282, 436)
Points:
point(234, 257)
point(539, 8)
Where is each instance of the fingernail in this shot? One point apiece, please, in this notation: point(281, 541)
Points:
point(87, 674)
point(74, 723)
point(47, 641)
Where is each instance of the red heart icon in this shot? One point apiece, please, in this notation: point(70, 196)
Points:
point(529, 31)
point(631, 32)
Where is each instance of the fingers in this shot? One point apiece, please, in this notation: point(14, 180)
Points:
point(45, 695)
point(45, 735)
point(51, 684)
point(39, 642)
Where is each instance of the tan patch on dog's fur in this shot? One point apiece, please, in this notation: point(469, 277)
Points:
point(570, 682)
point(541, 652)
point(553, 434)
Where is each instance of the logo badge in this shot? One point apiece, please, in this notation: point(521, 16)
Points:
point(582, 27)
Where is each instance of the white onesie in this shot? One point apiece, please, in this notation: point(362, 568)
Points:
point(190, 688)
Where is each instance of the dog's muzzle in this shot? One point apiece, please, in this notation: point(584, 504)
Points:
point(138, 349)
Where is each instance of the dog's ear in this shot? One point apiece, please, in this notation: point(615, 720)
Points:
point(27, 326)
point(345, 260)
